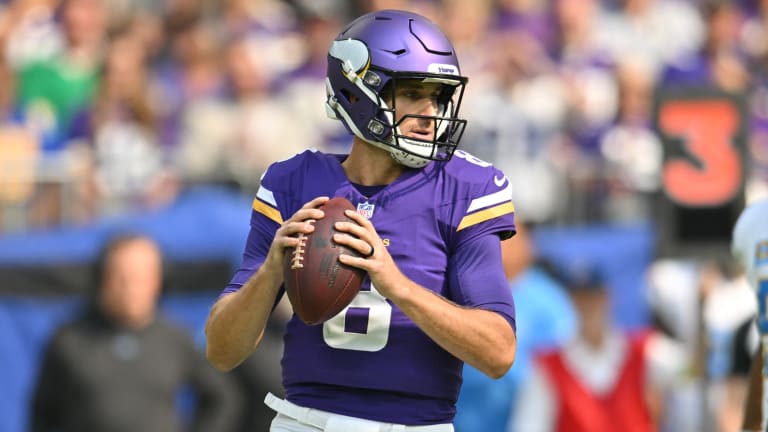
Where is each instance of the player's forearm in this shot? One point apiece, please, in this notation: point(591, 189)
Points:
point(481, 338)
point(236, 322)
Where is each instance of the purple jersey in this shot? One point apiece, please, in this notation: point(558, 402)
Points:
point(371, 360)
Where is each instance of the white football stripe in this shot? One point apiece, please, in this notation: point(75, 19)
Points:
point(267, 196)
point(499, 197)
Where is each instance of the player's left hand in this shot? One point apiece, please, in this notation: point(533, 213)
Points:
point(374, 258)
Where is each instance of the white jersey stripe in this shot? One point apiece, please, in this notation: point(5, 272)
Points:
point(495, 198)
point(267, 196)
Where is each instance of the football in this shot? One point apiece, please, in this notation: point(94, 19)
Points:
point(317, 284)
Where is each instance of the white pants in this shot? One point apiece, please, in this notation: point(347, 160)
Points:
point(294, 418)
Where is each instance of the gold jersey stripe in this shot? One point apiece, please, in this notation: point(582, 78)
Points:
point(267, 211)
point(484, 215)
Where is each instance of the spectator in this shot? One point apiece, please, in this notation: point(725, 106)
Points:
point(52, 90)
point(630, 150)
point(605, 378)
point(272, 25)
point(754, 43)
point(119, 129)
point(189, 70)
point(66, 82)
point(19, 156)
point(121, 366)
point(585, 69)
point(658, 31)
point(719, 62)
point(224, 140)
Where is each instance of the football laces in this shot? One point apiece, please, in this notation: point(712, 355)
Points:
point(297, 258)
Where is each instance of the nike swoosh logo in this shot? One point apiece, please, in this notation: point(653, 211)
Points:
point(499, 181)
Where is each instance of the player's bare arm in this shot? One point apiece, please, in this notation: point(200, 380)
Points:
point(236, 322)
point(481, 338)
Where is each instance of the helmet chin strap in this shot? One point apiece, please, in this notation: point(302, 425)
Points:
point(413, 157)
point(407, 159)
point(402, 157)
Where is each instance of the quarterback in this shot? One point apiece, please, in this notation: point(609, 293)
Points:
point(428, 227)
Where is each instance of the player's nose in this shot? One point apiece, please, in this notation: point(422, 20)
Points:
point(428, 107)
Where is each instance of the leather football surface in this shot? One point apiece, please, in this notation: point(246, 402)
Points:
point(318, 285)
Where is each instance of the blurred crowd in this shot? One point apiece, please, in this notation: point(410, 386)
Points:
point(109, 106)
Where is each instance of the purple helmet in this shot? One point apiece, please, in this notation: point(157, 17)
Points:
point(369, 57)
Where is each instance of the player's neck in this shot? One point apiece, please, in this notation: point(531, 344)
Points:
point(370, 166)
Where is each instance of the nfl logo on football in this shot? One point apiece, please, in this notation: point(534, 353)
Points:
point(365, 209)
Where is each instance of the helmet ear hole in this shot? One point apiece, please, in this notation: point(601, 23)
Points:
point(388, 93)
point(350, 98)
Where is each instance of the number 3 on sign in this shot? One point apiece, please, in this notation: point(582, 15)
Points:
point(363, 325)
point(711, 173)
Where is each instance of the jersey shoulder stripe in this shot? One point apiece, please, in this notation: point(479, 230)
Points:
point(265, 204)
point(278, 174)
point(481, 194)
point(267, 210)
point(487, 214)
point(494, 198)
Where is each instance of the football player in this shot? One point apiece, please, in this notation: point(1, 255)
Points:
point(749, 245)
point(428, 227)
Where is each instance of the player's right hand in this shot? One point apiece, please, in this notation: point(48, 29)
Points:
point(287, 235)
